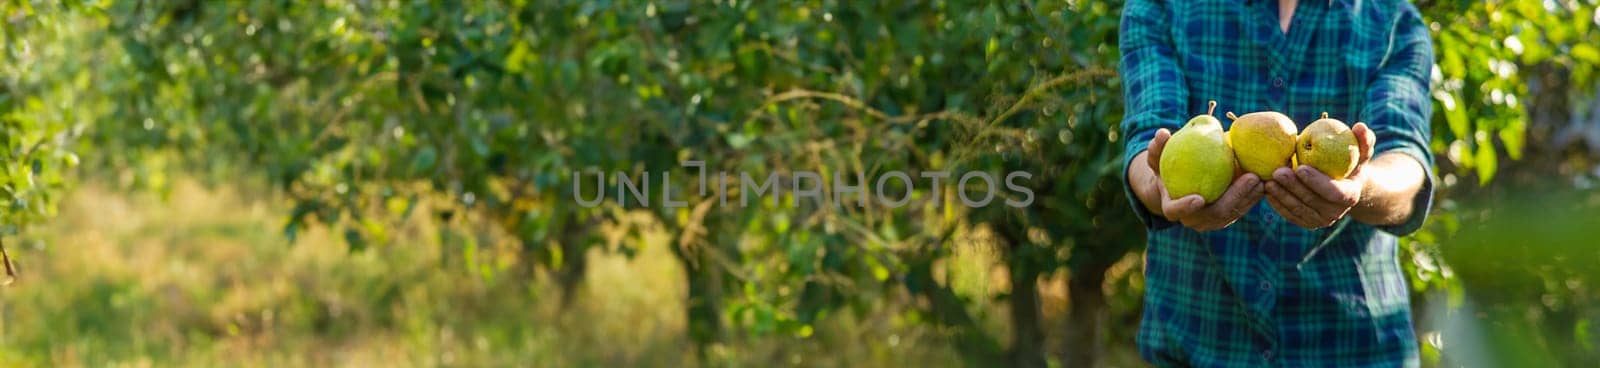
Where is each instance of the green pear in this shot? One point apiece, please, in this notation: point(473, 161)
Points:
point(1329, 146)
point(1197, 159)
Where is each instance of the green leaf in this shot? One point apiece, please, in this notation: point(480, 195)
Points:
point(1487, 162)
point(513, 62)
point(1514, 135)
point(424, 160)
point(355, 240)
point(991, 48)
point(1586, 53)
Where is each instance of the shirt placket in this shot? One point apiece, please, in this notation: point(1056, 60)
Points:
point(1284, 52)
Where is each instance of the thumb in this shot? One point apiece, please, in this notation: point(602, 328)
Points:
point(1158, 144)
point(1365, 142)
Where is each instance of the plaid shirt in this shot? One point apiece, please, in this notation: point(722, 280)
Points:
point(1264, 292)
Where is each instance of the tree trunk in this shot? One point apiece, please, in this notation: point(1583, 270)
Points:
point(1027, 349)
point(948, 310)
point(568, 272)
point(703, 307)
point(1027, 339)
point(574, 266)
point(1085, 331)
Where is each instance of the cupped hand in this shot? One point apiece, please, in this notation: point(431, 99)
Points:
point(1310, 198)
point(1192, 210)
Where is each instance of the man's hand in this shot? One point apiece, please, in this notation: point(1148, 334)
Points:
point(1311, 199)
point(1190, 210)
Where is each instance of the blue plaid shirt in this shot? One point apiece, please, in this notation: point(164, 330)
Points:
point(1264, 292)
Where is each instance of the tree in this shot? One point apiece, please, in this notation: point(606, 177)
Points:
point(365, 113)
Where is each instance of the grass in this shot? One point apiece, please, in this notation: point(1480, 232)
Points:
point(206, 278)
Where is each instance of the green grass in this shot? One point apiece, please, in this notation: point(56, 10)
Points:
point(206, 278)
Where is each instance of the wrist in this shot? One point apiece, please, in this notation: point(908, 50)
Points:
point(1363, 209)
point(1386, 191)
point(1365, 182)
point(1143, 180)
point(1151, 195)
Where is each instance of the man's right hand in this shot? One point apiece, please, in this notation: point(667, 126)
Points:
point(1191, 210)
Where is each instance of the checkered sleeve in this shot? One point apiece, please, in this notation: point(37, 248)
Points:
point(1398, 109)
point(1152, 86)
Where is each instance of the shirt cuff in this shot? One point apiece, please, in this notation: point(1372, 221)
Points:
point(1424, 199)
point(1136, 144)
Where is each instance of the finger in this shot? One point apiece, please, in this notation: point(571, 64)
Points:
point(1210, 225)
point(1189, 208)
point(1290, 183)
point(1157, 144)
point(1243, 193)
point(1297, 211)
point(1283, 211)
point(1237, 190)
point(1162, 189)
point(1288, 214)
point(1208, 220)
point(1250, 200)
point(1366, 140)
point(1222, 217)
point(1183, 207)
point(1194, 223)
point(1323, 207)
point(1325, 187)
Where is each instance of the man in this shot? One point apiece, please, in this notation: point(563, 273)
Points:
point(1297, 269)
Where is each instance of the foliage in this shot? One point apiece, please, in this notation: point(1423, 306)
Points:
point(360, 111)
point(366, 113)
point(41, 115)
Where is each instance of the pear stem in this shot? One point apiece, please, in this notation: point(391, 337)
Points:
point(1231, 117)
point(1211, 107)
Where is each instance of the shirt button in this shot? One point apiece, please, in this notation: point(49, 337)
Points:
point(1266, 286)
point(1266, 355)
point(1277, 82)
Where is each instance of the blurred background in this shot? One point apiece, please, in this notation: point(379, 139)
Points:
point(379, 183)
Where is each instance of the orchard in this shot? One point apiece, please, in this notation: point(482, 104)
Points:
point(809, 174)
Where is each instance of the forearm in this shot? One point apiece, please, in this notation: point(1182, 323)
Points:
point(1391, 183)
point(1143, 180)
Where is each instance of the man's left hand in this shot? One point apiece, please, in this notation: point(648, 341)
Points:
point(1311, 199)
